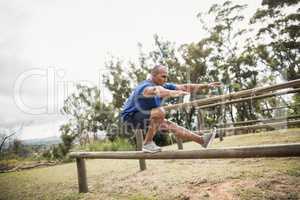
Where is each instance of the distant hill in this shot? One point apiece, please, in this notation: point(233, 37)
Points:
point(43, 141)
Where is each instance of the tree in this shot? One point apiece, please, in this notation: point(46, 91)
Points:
point(118, 82)
point(4, 137)
point(87, 112)
point(278, 43)
point(230, 57)
point(278, 37)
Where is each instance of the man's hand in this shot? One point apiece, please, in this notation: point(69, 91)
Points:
point(214, 85)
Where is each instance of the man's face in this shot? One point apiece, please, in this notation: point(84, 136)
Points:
point(161, 77)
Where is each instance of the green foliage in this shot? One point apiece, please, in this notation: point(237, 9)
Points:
point(117, 82)
point(279, 3)
point(163, 139)
point(230, 59)
point(295, 171)
point(278, 37)
point(119, 144)
point(87, 113)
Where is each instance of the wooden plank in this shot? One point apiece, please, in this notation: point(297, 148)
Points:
point(241, 94)
point(249, 98)
point(139, 145)
point(260, 120)
point(254, 127)
point(282, 107)
point(81, 171)
point(279, 150)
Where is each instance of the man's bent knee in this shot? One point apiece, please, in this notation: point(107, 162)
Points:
point(158, 113)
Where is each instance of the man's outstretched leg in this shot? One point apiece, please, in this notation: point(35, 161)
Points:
point(186, 134)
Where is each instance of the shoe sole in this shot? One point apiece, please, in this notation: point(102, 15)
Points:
point(211, 139)
point(149, 151)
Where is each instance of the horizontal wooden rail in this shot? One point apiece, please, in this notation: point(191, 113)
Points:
point(281, 107)
point(241, 94)
point(282, 150)
point(272, 94)
point(278, 150)
point(254, 127)
point(260, 120)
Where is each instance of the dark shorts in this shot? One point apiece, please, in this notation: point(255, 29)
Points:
point(137, 120)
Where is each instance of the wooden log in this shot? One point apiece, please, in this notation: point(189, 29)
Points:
point(81, 171)
point(282, 107)
point(278, 150)
point(139, 145)
point(256, 126)
point(240, 94)
point(249, 98)
point(260, 120)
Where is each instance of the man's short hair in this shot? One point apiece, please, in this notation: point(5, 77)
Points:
point(155, 69)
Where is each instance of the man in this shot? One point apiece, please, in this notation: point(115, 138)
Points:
point(142, 108)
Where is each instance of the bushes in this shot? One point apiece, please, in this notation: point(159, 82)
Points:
point(163, 139)
point(56, 152)
point(119, 144)
point(60, 151)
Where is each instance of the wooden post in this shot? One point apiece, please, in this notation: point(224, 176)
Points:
point(82, 181)
point(139, 147)
point(220, 134)
point(200, 119)
point(179, 143)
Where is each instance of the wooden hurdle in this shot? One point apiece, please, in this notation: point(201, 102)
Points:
point(237, 95)
point(283, 150)
point(280, 150)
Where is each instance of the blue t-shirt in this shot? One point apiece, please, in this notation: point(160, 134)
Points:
point(137, 102)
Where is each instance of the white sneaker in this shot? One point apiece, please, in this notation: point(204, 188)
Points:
point(208, 138)
point(151, 148)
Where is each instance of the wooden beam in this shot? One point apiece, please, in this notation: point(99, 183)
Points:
point(282, 107)
point(260, 120)
point(281, 150)
point(241, 94)
point(272, 94)
point(254, 127)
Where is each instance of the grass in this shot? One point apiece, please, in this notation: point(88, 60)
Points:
point(294, 171)
point(255, 178)
point(118, 144)
point(10, 163)
point(41, 183)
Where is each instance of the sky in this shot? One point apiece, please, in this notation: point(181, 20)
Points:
point(47, 46)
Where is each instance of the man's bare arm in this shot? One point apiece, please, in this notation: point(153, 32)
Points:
point(191, 87)
point(162, 92)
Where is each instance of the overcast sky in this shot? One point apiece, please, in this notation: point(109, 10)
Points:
point(67, 41)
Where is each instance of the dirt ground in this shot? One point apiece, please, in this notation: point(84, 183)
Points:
point(210, 179)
